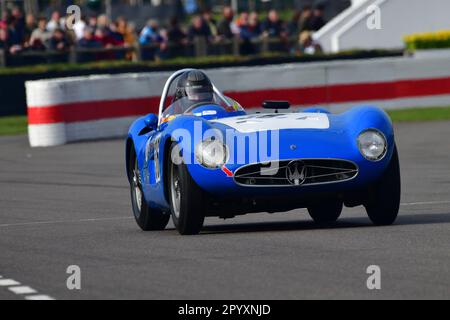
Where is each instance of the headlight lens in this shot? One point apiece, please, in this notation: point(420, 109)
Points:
point(211, 154)
point(372, 144)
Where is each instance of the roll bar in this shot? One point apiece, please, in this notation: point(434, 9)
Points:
point(169, 82)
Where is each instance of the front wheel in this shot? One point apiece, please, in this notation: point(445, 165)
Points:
point(149, 219)
point(186, 198)
point(384, 196)
point(327, 212)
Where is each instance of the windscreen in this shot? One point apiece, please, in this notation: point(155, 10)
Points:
point(185, 105)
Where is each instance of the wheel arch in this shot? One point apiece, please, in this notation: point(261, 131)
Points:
point(165, 172)
point(128, 151)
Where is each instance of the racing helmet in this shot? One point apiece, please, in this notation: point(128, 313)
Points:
point(196, 86)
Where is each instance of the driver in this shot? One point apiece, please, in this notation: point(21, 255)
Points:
point(195, 86)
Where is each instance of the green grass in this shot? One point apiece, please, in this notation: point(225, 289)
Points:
point(420, 114)
point(118, 64)
point(13, 125)
point(18, 124)
point(179, 62)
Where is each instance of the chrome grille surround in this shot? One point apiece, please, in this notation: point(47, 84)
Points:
point(296, 172)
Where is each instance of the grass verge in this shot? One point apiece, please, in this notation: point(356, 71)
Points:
point(13, 125)
point(420, 114)
point(18, 124)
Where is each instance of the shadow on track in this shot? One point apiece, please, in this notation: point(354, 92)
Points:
point(403, 220)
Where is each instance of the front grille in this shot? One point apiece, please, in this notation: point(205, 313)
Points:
point(296, 172)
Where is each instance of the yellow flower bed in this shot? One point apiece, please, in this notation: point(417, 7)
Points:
point(428, 40)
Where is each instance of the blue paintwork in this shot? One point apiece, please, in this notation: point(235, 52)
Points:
point(337, 142)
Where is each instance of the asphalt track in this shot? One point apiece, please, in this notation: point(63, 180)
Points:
point(70, 205)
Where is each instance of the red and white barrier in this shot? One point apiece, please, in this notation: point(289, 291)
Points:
point(96, 107)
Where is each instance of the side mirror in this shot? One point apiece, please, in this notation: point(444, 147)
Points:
point(276, 105)
point(151, 121)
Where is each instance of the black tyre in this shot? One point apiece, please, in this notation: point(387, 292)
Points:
point(147, 218)
point(186, 198)
point(327, 212)
point(384, 196)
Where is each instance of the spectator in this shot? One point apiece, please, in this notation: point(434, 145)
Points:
point(242, 20)
point(225, 27)
point(150, 34)
point(103, 22)
point(318, 21)
point(39, 36)
point(210, 22)
point(89, 40)
point(58, 41)
point(254, 23)
point(247, 33)
point(127, 30)
point(175, 34)
point(250, 29)
point(101, 35)
point(78, 28)
point(306, 19)
point(55, 22)
point(293, 27)
point(307, 45)
point(117, 38)
point(15, 37)
point(19, 22)
point(92, 22)
point(198, 28)
point(30, 25)
point(273, 26)
point(4, 20)
point(3, 39)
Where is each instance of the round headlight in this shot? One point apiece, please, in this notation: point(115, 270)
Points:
point(211, 154)
point(372, 144)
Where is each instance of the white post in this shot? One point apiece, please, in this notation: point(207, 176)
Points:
point(235, 5)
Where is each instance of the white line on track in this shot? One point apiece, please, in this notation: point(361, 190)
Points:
point(24, 291)
point(8, 283)
point(63, 221)
point(424, 203)
point(39, 297)
point(128, 218)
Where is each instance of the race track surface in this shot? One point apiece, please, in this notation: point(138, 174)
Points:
point(70, 205)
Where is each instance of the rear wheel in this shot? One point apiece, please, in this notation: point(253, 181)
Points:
point(186, 198)
point(327, 212)
point(147, 218)
point(384, 196)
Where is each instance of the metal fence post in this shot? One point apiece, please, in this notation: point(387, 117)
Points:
point(73, 55)
point(2, 58)
point(200, 46)
point(264, 44)
point(236, 46)
point(137, 56)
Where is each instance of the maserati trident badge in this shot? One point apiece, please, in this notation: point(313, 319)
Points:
point(296, 172)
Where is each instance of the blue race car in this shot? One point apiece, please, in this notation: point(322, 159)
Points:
point(204, 156)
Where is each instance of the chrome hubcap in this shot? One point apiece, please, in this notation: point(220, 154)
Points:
point(137, 187)
point(175, 188)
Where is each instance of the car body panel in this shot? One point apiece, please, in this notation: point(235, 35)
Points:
point(319, 135)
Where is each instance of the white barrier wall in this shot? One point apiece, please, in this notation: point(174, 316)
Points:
point(95, 107)
point(397, 18)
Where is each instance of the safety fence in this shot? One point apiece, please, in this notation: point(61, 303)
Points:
point(197, 47)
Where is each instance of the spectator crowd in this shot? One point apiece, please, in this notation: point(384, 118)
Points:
point(22, 33)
